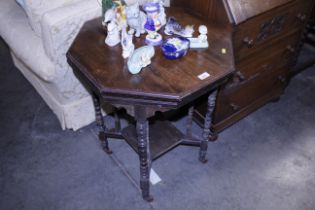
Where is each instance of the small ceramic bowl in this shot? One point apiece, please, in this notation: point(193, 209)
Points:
point(175, 47)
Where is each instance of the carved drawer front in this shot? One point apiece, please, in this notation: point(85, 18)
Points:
point(255, 33)
point(238, 99)
point(277, 55)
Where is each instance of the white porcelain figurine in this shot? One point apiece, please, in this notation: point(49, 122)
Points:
point(109, 15)
point(136, 18)
point(203, 33)
point(162, 15)
point(140, 58)
point(126, 43)
point(113, 37)
point(202, 40)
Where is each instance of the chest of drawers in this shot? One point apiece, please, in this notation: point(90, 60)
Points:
point(266, 39)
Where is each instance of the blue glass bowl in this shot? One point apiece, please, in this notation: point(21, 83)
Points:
point(175, 47)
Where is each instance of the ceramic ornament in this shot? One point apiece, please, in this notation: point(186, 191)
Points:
point(152, 24)
point(121, 17)
point(175, 47)
point(126, 43)
point(202, 40)
point(106, 4)
point(162, 15)
point(113, 35)
point(109, 15)
point(173, 27)
point(140, 58)
point(203, 30)
point(136, 18)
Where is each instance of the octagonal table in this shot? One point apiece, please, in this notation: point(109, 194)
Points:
point(164, 85)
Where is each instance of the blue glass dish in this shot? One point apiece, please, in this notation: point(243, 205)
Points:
point(175, 47)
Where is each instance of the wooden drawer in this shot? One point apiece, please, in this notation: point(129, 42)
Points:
point(278, 54)
point(255, 33)
point(232, 101)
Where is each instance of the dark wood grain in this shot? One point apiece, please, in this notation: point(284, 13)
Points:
point(244, 9)
point(142, 130)
point(167, 83)
point(266, 41)
point(197, 7)
point(210, 11)
point(279, 22)
point(101, 124)
point(207, 128)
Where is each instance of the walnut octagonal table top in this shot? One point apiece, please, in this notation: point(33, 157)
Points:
point(164, 83)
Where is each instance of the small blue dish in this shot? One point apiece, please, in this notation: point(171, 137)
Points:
point(175, 47)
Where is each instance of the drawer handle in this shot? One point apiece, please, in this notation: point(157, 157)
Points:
point(289, 52)
point(282, 79)
point(266, 67)
point(290, 49)
point(290, 55)
point(234, 106)
point(301, 17)
point(249, 42)
point(240, 76)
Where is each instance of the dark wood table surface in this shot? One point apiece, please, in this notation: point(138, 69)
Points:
point(161, 86)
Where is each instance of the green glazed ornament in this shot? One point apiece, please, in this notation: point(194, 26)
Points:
point(106, 4)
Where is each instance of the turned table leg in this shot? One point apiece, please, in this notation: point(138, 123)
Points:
point(189, 122)
point(144, 153)
point(100, 124)
point(117, 121)
point(207, 132)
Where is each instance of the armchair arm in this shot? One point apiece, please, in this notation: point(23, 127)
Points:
point(60, 27)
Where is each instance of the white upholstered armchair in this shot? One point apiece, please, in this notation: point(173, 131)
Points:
point(39, 33)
